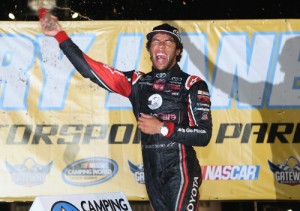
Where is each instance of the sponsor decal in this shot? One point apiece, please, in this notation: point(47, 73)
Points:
point(203, 105)
point(173, 86)
point(160, 81)
point(204, 99)
point(63, 206)
point(201, 109)
point(194, 195)
point(242, 172)
point(176, 79)
point(166, 117)
point(146, 83)
point(159, 146)
point(288, 172)
point(90, 171)
point(138, 171)
point(28, 173)
point(204, 116)
point(161, 75)
point(175, 93)
point(200, 92)
point(158, 87)
point(148, 77)
point(190, 130)
point(155, 101)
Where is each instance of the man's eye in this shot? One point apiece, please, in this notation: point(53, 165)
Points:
point(168, 42)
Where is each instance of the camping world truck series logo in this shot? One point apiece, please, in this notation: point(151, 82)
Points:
point(90, 171)
point(288, 172)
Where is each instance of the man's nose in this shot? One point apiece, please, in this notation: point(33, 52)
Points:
point(162, 44)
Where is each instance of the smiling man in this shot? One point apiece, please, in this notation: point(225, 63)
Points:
point(172, 109)
point(164, 46)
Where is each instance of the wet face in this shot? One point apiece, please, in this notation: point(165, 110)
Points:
point(163, 51)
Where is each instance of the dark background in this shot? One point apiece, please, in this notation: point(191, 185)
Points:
point(159, 9)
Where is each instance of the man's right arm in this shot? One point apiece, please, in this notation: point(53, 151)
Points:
point(100, 73)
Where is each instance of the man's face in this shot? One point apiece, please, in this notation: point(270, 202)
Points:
point(163, 51)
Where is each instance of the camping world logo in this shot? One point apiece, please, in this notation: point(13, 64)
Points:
point(90, 171)
point(288, 172)
point(63, 206)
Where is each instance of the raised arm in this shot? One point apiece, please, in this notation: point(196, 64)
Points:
point(105, 76)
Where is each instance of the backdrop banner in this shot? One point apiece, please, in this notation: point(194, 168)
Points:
point(60, 130)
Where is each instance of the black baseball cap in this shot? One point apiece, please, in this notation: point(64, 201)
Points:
point(165, 28)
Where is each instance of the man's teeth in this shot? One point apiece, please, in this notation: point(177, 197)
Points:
point(161, 56)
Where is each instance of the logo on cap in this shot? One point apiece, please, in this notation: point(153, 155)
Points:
point(164, 28)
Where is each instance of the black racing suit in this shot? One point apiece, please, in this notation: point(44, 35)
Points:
point(182, 102)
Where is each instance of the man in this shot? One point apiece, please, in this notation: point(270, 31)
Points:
point(172, 110)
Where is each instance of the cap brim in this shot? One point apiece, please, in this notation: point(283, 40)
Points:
point(152, 33)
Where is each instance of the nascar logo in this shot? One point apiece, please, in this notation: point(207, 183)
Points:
point(230, 172)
